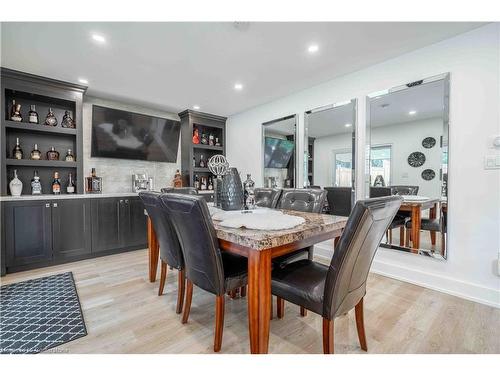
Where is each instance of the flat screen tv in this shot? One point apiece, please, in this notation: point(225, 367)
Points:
point(277, 152)
point(127, 135)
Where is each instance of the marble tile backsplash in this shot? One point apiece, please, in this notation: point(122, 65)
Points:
point(117, 173)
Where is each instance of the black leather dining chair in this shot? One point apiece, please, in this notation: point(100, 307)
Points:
point(334, 290)
point(303, 200)
point(404, 189)
point(170, 250)
point(206, 266)
point(437, 225)
point(267, 197)
point(339, 200)
point(180, 190)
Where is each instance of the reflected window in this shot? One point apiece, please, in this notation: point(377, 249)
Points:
point(342, 169)
point(380, 168)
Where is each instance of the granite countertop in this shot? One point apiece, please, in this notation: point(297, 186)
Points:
point(264, 239)
point(28, 197)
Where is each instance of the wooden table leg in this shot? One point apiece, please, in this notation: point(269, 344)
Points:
point(259, 298)
point(415, 227)
point(153, 250)
point(432, 215)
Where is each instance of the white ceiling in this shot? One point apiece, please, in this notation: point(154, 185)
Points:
point(283, 127)
point(173, 66)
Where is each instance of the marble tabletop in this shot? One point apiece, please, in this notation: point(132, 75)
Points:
point(315, 224)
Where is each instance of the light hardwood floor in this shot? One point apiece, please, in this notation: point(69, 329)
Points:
point(124, 314)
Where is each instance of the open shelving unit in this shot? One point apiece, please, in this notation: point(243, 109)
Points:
point(44, 93)
point(205, 123)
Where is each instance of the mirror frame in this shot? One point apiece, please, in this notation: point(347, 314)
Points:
point(296, 153)
point(354, 102)
point(445, 77)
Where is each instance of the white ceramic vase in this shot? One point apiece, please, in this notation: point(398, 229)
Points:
point(15, 185)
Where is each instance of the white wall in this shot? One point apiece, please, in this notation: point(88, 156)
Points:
point(474, 216)
point(117, 173)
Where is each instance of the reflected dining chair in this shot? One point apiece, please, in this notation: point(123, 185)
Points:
point(339, 200)
point(170, 250)
point(180, 190)
point(334, 290)
point(267, 197)
point(434, 226)
point(206, 266)
point(399, 220)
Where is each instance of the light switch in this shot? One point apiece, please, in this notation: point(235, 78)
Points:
point(492, 162)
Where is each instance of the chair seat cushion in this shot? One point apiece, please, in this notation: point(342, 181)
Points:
point(427, 224)
point(398, 221)
point(282, 261)
point(301, 283)
point(235, 270)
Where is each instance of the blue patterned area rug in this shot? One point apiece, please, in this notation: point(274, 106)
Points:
point(39, 314)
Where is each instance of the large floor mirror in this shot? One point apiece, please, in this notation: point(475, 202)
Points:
point(279, 144)
point(329, 160)
point(407, 137)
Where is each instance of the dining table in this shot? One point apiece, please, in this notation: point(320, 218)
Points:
point(415, 205)
point(260, 246)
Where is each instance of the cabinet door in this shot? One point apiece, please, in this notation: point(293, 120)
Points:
point(106, 222)
point(28, 232)
point(135, 230)
point(71, 228)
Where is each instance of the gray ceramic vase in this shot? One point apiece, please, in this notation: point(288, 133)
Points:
point(231, 193)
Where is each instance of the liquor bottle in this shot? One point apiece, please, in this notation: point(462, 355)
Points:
point(217, 143)
point(203, 184)
point(70, 188)
point(194, 161)
point(196, 136)
point(50, 119)
point(36, 185)
point(52, 154)
point(196, 182)
point(17, 152)
point(15, 185)
point(67, 121)
point(248, 192)
point(210, 183)
point(56, 184)
point(177, 179)
point(15, 112)
point(93, 183)
point(33, 115)
point(202, 162)
point(69, 155)
point(211, 141)
point(35, 153)
point(204, 138)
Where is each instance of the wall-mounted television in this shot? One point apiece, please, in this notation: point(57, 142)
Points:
point(127, 135)
point(277, 152)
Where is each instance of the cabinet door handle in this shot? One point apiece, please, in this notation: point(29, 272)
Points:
point(47, 205)
point(54, 205)
point(126, 201)
point(121, 201)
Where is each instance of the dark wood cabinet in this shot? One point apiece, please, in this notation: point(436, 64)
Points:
point(118, 223)
point(71, 228)
point(28, 232)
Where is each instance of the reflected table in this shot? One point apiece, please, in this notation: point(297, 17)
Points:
point(260, 246)
point(415, 208)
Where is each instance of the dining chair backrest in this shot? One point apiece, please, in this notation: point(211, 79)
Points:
point(339, 200)
point(380, 191)
point(170, 250)
point(305, 200)
point(180, 190)
point(267, 197)
point(346, 278)
point(404, 189)
point(199, 243)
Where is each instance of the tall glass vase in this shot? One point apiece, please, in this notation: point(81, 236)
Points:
point(231, 193)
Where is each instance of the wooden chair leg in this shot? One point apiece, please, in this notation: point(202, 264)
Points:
point(303, 311)
point(328, 336)
point(243, 291)
point(280, 304)
point(232, 294)
point(187, 303)
point(443, 244)
point(401, 236)
point(181, 281)
point(407, 238)
point(219, 322)
point(360, 325)
point(163, 277)
point(390, 235)
point(433, 237)
point(271, 307)
point(387, 236)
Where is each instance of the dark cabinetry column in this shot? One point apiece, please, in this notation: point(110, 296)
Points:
point(106, 222)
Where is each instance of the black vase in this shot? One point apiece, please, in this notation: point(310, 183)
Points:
point(231, 194)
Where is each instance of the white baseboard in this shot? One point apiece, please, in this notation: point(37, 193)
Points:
point(458, 288)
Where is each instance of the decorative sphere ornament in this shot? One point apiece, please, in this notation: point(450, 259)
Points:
point(218, 165)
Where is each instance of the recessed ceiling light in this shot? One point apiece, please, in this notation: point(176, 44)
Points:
point(348, 125)
point(313, 48)
point(412, 112)
point(196, 107)
point(98, 38)
point(83, 80)
point(238, 86)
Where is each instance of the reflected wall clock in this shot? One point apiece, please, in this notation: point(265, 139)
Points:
point(416, 159)
point(429, 142)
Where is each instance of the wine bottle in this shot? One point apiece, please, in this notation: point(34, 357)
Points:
point(56, 184)
point(196, 182)
point(17, 153)
point(70, 188)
